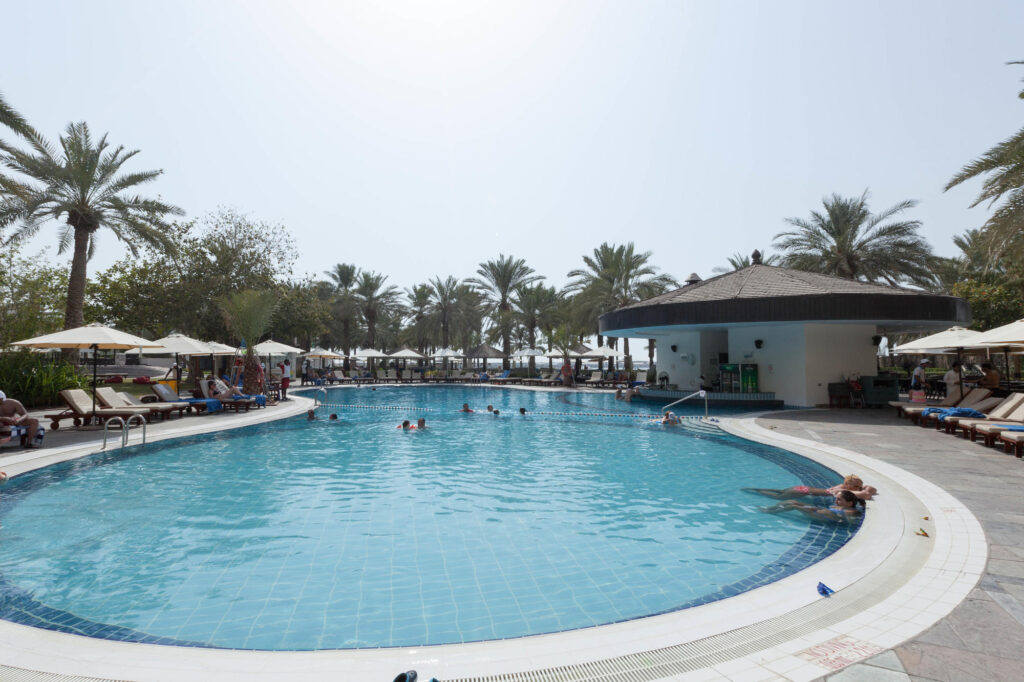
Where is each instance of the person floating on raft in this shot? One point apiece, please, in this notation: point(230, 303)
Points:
point(844, 510)
point(851, 483)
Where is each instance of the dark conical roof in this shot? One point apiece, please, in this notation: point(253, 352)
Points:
point(484, 351)
point(765, 293)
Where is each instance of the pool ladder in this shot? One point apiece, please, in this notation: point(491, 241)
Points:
point(316, 397)
point(126, 427)
point(701, 393)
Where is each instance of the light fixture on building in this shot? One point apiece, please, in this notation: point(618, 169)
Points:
point(758, 343)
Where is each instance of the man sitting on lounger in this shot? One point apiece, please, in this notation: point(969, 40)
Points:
point(13, 413)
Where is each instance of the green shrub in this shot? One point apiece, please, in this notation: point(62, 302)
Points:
point(35, 379)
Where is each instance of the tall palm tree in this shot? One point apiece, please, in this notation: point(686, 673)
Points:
point(419, 309)
point(536, 307)
point(375, 301)
point(1002, 165)
point(468, 320)
point(248, 314)
point(82, 184)
point(342, 278)
point(849, 241)
point(497, 281)
point(600, 266)
point(444, 302)
point(618, 276)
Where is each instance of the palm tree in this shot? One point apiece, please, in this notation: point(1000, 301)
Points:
point(617, 276)
point(342, 277)
point(444, 301)
point(849, 241)
point(498, 280)
point(13, 120)
point(468, 319)
point(82, 185)
point(248, 314)
point(535, 307)
point(1002, 165)
point(375, 301)
point(419, 308)
point(738, 261)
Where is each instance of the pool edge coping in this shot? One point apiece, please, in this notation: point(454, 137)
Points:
point(958, 530)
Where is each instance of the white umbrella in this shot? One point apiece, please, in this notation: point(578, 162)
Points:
point(605, 352)
point(319, 352)
point(271, 347)
point(527, 353)
point(407, 353)
point(94, 336)
point(943, 342)
point(221, 348)
point(366, 353)
point(446, 353)
point(1008, 335)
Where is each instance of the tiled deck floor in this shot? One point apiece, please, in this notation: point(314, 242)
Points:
point(983, 638)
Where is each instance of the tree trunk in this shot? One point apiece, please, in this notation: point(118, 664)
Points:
point(251, 385)
point(628, 359)
point(74, 315)
point(600, 361)
point(533, 344)
point(650, 357)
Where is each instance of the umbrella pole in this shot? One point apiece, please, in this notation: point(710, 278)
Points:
point(95, 349)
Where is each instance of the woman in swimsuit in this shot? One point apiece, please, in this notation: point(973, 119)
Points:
point(851, 483)
point(844, 510)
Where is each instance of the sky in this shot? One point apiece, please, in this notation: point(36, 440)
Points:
point(418, 139)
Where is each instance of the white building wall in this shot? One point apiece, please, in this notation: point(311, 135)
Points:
point(681, 371)
point(780, 360)
point(834, 352)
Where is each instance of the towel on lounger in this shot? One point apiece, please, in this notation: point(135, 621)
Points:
point(1013, 428)
point(944, 412)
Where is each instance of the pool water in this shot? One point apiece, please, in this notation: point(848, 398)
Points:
point(298, 535)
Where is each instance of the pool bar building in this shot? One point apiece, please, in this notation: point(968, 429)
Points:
point(802, 330)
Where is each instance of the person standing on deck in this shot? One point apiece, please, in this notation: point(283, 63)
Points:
point(286, 377)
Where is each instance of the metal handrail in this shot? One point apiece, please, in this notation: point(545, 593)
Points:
point(316, 396)
point(128, 428)
point(106, 425)
point(702, 393)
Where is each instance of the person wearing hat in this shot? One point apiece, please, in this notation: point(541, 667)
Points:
point(920, 380)
point(13, 413)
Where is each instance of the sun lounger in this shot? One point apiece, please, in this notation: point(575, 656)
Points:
point(338, 375)
point(990, 431)
point(950, 400)
point(234, 404)
point(595, 379)
point(165, 394)
point(973, 397)
point(108, 397)
point(80, 410)
point(938, 415)
point(1013, 441)
point(1005, 410)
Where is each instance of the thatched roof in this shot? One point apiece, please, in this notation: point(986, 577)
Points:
point(484, 351)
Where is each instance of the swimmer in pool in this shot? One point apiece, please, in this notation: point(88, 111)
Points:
point(670, 419)
point(311, 415)
point(333, 417)
point(497, 412)
point(465, 408)
point(421, 423)
point(844, 510)
point(522, 410)
point(490, 408)
point(851, 483)
point(406, 426)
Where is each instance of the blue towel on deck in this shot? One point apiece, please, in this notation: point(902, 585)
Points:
point(1013, 428)
point(212, 404)
point(261, 400)
point(944, 412)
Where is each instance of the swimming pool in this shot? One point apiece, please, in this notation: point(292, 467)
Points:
point(295, 535)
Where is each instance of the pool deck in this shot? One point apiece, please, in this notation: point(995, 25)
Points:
point(900, 611)
point(983, 638)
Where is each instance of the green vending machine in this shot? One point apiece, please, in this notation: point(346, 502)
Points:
point(748, 378)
